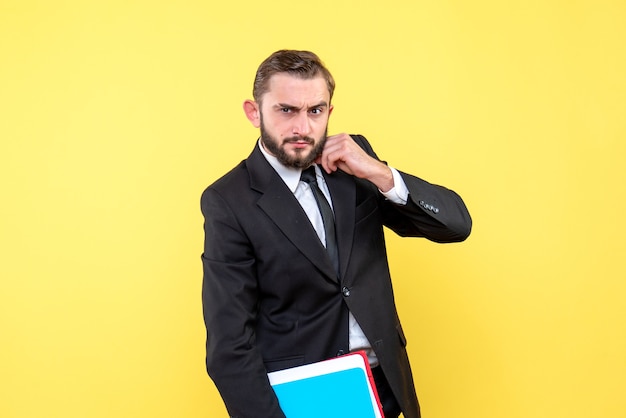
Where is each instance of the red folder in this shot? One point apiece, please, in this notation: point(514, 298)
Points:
point(342, 387)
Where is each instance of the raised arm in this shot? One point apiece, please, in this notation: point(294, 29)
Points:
point(431, 211)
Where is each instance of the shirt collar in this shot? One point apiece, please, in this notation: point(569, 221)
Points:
point(290, 175)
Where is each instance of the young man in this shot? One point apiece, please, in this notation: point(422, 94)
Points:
point(285, 284)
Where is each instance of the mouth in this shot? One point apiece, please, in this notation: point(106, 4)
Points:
point(299, 142)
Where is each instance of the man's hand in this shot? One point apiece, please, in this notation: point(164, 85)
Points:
point(341, 152)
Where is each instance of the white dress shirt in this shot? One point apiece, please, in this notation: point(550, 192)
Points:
point(302, 191)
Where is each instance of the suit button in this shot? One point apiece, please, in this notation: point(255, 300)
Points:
point(345, 291)
point(340, 353)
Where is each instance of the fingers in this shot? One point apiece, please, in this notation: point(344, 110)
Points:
point(341, 152)
point(336, 152)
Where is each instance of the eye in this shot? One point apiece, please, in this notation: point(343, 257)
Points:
point(317, 110)
point(285, 109)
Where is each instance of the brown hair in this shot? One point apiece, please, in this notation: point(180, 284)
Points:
point(302, 64)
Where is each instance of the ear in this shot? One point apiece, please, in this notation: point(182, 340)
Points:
point(251, 108)
point(330, 109)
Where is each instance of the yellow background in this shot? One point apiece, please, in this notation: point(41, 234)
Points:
point(115, 115)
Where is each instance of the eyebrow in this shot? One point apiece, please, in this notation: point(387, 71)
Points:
point(291, 107)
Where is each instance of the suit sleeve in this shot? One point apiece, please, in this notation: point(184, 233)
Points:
point(229, 298)
point(431, 211)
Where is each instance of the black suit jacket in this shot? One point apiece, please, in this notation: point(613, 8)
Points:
point(271, 297)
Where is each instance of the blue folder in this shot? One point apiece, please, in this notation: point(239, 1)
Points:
point(337, 388)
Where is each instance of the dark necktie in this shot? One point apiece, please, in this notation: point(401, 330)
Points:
point(328, 218)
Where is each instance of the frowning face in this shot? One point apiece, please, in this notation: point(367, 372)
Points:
point(293, 118)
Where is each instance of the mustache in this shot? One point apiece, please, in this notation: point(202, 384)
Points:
point(292, 139)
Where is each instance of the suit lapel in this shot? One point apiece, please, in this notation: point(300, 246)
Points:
point(279, 203)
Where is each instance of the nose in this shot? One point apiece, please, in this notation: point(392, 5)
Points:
point(301, 125)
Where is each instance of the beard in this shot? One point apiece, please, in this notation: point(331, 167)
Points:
point(301, 159)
